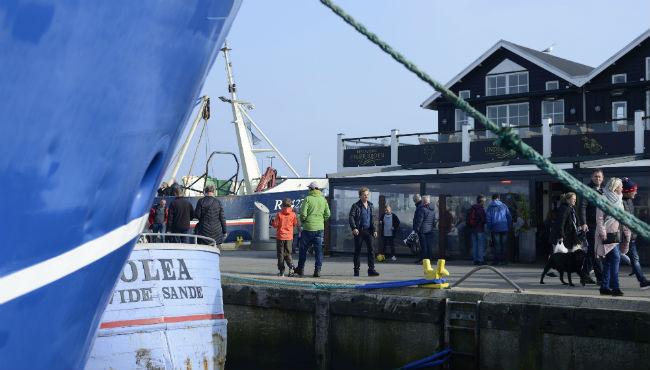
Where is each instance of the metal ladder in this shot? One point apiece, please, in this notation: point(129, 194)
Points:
point(464, 320)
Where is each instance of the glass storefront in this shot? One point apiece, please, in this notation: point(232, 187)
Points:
point(398, 196)
point(454, 199)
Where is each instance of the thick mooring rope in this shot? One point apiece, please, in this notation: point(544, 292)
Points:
point(507, 138)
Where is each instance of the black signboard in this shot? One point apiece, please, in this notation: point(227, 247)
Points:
point(429, 153)
point(487, 150)
point(589, 145)
point(371, 156)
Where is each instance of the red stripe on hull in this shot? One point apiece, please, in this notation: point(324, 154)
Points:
point(160, 320)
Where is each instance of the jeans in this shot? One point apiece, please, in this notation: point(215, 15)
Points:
point(308, 238)
point(634, 261)
point(159, 229)
point(478, 247)
point(591, 260)
point(364, 236)
point(389, 241)
point(179, 239)
point(426, 245)
point(499, 241)
point(610, 269)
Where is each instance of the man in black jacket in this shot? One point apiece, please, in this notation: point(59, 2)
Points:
point(212, 222)
point(363, 228)
point(587, 216)
point(178, 217)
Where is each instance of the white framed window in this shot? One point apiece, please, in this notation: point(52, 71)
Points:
point(619, 78)
point(464, 94)
point(507, 83)
point(553, 109)
point(552, 85)
point(508, 114)
point(461, 119)
point(619, 110)
point(647, 69)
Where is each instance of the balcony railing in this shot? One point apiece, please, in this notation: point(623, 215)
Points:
point(558, 140)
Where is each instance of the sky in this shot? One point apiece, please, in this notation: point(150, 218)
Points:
point(311, 76)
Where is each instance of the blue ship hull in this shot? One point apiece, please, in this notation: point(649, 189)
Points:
point(94, 98)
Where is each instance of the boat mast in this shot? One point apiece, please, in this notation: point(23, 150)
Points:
point(246, 154)
point(186, 144)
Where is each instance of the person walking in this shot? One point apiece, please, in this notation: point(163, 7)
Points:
point(284, 223)
point(417, 200)
point(629, 193)
point(388, 227)
point(424, 225)
point(179, 216)
point(362, 224)
point(212, 222)
point(158, 220)
point(498, 221)
point(476, 224)
point(565, 227)
point(609, 243)
point(314, 211)
point(587, 219)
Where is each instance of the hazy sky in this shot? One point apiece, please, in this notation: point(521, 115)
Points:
point(311, 76)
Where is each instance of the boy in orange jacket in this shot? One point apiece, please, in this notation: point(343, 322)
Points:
point(284, 222)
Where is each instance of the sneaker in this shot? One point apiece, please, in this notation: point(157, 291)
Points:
point(617, 292)
point(356, 272)
point(316, 273)
point(645, 285)
point(605, 291)
point(373, 273)
point(393, 258)
point(281, 273)
point(298, 271)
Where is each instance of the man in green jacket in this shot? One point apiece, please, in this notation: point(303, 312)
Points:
point(314, 211)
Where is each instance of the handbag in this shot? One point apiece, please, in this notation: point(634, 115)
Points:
point(612, 238)
point(560, 248)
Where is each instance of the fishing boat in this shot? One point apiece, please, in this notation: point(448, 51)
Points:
point(94, 99)
point(166, 311)
point(239, 196)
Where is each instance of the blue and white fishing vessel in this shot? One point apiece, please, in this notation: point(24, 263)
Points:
point(94, 98)
point(240, 196)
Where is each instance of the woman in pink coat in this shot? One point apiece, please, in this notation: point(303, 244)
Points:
point(608, 242)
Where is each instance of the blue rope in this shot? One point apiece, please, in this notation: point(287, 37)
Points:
point(399, 284)
point(433, 360)
point(318, 285)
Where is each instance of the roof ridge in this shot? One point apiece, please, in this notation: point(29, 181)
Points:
point(527, 49)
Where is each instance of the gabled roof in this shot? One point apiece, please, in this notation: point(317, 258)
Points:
point(566, 69)
point(616, 56)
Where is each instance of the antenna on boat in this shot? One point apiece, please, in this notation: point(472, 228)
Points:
point(246, 151)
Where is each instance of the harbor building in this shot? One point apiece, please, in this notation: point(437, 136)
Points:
point(578, 116)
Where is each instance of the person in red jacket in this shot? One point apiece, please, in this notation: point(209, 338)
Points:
point(284, 222)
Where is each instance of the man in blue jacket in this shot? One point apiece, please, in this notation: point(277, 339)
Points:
point(425, 224)
point(498, 221)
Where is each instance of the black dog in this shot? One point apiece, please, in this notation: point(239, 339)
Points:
point(566, 262)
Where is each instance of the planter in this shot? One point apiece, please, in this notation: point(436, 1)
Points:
point(527, 246)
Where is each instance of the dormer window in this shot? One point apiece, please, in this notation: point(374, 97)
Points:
point(464, 94)
point(552, 85)
point(507, 83)
point(619, 78)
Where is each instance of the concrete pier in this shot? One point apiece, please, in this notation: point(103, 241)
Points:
point(273, 326)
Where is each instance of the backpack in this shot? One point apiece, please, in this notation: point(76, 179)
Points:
point(472, 217)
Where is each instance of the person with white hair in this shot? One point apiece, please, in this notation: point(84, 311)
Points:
point(609, 244)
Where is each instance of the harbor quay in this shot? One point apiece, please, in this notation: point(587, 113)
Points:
point(484, 321)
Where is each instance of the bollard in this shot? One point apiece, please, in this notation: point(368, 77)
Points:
point(261, 241)
point(440, 273)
